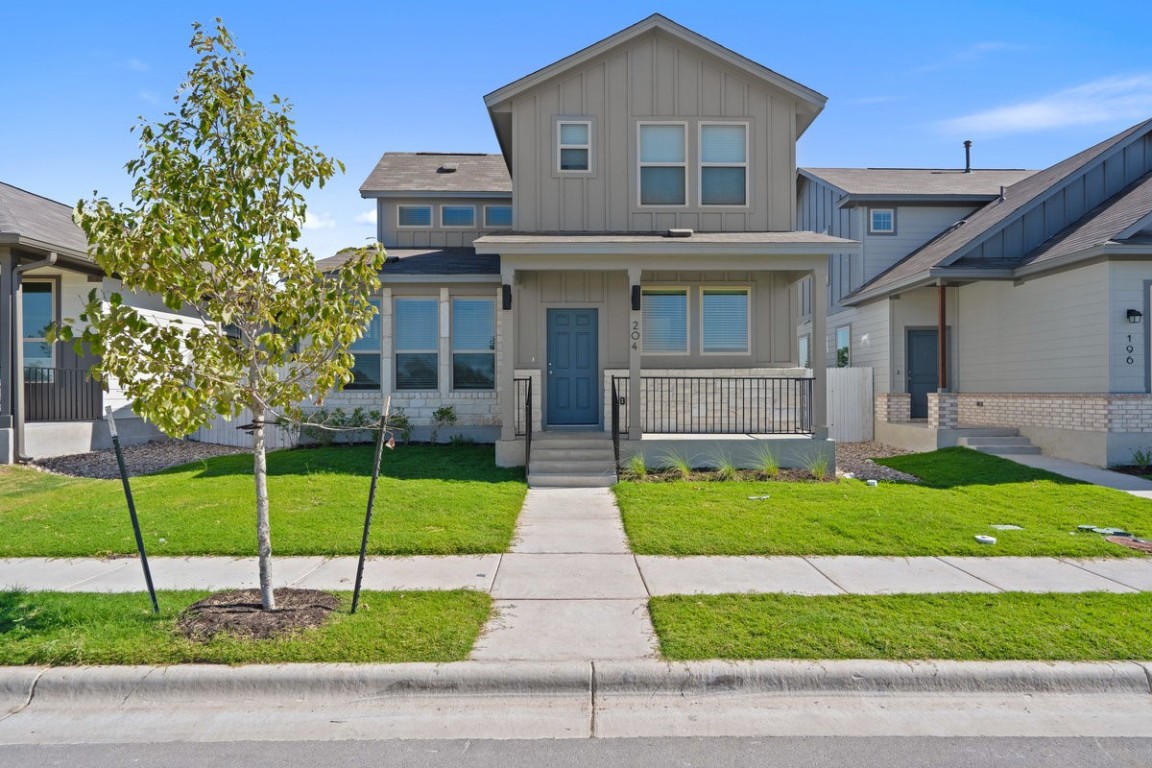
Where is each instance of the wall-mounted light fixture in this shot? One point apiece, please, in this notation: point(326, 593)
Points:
point(635, 298)
point(1135, 316)
point(506, 295)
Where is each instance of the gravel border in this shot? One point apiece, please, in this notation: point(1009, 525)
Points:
point(141, 459)
point(856, 459)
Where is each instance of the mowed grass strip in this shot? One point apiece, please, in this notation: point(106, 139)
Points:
point(963, 494)
point(57, 628)
point(1092, 626)
point(432, 500)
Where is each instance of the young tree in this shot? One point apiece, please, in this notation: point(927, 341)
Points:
point(216, 208)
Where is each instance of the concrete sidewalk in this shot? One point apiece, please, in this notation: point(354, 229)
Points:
point(1105, 478)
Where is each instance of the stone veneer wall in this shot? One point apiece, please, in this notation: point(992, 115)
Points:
point(1087, 412)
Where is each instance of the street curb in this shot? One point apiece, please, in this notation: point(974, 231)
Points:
point(288, 684)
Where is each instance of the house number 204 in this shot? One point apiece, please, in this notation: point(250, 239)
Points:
point(635, 334)
point(1130, 349)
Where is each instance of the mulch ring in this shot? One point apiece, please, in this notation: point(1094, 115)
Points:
point(240, 613)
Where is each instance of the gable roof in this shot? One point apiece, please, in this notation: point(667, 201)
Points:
point(443, 174)
point(1019, 199)
point(423, 261)
point(36, 222)
point(913, 184)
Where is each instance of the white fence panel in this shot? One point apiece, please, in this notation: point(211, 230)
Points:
point(850, 404)
point(222, 431)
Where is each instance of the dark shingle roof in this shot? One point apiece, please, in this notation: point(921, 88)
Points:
point(425, 261)
point(428, 172)
point(36, 220)
point(869, 182)
point(1019, 198)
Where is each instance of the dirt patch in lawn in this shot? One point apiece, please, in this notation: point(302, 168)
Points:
point(240, 613)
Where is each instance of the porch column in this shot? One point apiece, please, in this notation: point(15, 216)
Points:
point(506, 354)
point(820, 356)
point(635, 348)
point(7, 352)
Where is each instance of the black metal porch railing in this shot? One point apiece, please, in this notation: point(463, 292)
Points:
point(61, 394)
point(712, 405)
point(617, 401)
point(523, 418)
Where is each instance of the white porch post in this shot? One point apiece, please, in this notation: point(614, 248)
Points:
point(506, 354)
point(635, 348)
point(819, 352)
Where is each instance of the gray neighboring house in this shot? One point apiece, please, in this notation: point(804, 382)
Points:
point(48, 405)
point(620, 279)
point(981, 308)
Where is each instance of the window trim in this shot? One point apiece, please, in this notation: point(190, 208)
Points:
point(871, 221)
point(641, 165)
point(836, 345)
point(747, 289)
point(471, 208)
point(378, 302)
point(452, 350)
point(53, 284)
point(562, 121)
point(687, 291)
point(701, 165)
point(499, 226)
point(400, 225)
point(396, 351)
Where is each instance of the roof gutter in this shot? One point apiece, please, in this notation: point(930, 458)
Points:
point(17, 395)
point(853, 200)
point(372, 194)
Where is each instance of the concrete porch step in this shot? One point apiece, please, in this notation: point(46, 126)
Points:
point(571, 480)
point(577, 465)
point(1001, 445)
point(572, 460)
point(988, 431)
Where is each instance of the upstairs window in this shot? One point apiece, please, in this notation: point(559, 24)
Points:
point(723, 164)
point(663, 168)
point(497, 216)
point(366, 353)
point(473, 344)
point(574, 145)
point(724, 320)
point(882, 221)
point(665, 321)
point(414, 215)
point(417, 336)
point(458, 216)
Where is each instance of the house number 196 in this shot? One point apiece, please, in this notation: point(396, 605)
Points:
point(635, 334)
point(1130, 349)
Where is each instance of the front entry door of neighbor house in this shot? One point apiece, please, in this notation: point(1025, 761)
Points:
point(923, 373)
point(573, 394)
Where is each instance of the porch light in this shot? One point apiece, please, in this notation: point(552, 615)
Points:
point(635, 298)
point(1135, 316)
point(506, 295)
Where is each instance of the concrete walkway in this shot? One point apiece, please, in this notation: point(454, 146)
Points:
point(1085, 473)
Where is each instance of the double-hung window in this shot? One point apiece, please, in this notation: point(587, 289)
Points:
point(473, 343)
point(366, 352)
point(574, 145)
point(414, 215)
point(463, 216)
point(417, 335)
point(723, 164)
point(664, 312)
point(724, 321)
point(39, 308)
point(663, 164)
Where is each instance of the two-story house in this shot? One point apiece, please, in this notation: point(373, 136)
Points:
point(996, 307)
point(624, 270)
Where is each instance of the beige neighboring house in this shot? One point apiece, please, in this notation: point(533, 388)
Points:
point(622, 274)
point(48, 404)
point(1005, 308)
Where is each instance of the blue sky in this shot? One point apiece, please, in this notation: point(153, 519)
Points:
point(907, 82)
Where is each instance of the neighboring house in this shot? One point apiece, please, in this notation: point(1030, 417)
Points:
point(48, 405)
point(641, 285)
point(1021, 308)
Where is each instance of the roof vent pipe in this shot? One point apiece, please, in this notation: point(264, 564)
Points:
point(1002, 195)
point(968, 156)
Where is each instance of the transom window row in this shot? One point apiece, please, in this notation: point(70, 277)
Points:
point(454, 216)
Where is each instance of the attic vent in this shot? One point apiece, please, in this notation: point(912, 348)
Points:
point(680, 233)
point(448, 168)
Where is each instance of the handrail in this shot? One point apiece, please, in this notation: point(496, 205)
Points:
point(615, 424)
point(528, 429)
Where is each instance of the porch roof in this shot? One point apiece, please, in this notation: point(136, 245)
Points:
point(30, 221)
point(735, 243)
point(424, 261)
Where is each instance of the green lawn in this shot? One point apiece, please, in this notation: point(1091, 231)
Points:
point(1091, 626)
point(962, 494)
point(431, 500)
point(56, 628)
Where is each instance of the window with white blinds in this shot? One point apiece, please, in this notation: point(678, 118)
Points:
point(664, 312)
point(724, 320)
point(416, 337)
point(366, 354)
point(473, 344)
point(457, 216)
point(414, 215)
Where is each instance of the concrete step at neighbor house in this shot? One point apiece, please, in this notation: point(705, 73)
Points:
point(571, 460)
point(1007, 443)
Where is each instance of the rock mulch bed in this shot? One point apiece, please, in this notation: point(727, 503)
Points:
point(856, 459)
point(140, 459)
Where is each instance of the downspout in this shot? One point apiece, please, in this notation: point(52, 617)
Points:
point(941, 337)
point(18, 354)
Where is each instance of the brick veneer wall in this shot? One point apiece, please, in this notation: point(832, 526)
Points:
point(943, 410)
point(1086, 412)
point(893, 407)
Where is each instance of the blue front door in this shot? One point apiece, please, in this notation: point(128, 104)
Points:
point(573, 373)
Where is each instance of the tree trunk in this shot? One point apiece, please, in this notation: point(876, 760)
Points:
point(263, 527)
